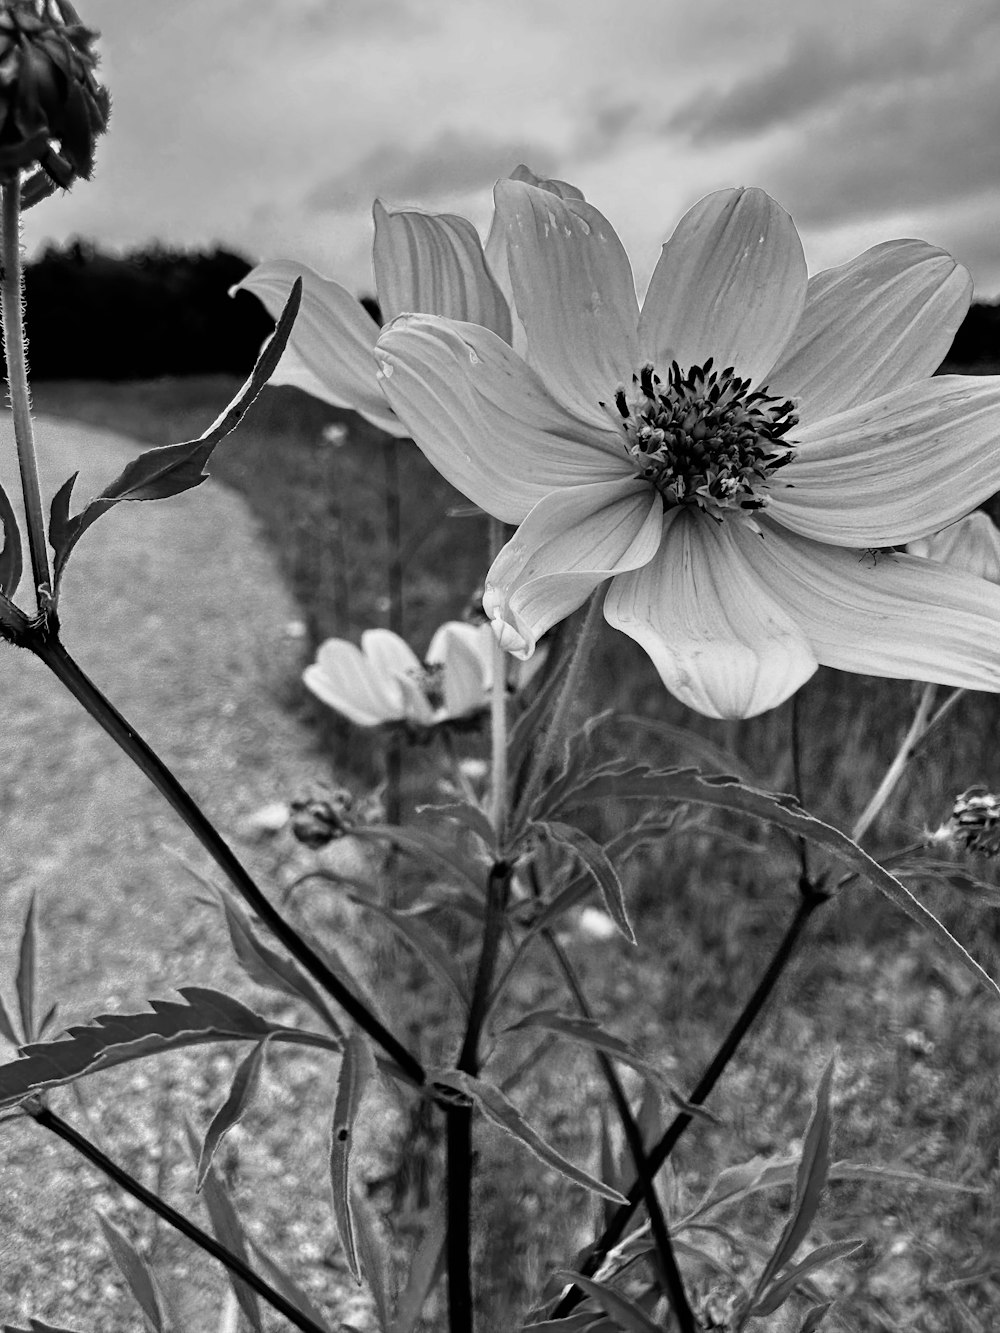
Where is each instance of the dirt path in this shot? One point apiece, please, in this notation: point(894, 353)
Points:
point(176, 610)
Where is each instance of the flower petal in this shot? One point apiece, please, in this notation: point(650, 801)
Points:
point(484, 418)
point(343, 678)
point(972, 544)
point(882, 321)
point(434, 264)
point(720, 642)
point(570, 542)
point(329, 352)
point(896, 469)
point(888, 615)
point(730, 284)
point(573, 291)
point(390, 655)
point(464, 652)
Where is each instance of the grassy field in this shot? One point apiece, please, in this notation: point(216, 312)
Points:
point(918, 1047)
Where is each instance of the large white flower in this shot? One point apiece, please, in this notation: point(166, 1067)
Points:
point(431, 262)
point(732, 457)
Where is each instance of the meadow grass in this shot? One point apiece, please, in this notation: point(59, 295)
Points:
point(919, 1046)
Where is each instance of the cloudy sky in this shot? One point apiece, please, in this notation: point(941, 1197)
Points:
point(270, 125)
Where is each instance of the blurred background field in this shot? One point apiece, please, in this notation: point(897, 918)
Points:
point(918, 1045)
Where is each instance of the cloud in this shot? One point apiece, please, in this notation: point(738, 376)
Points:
point(449, 164)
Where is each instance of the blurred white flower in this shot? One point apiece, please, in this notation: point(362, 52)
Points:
point(972, 544)
point(384, 680)
point(430, 262)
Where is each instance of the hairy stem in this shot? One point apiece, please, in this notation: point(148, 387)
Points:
point(810, 899)
point(11, 285)
point(56, 1125)
point(47, 646)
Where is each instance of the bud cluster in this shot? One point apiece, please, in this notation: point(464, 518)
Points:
point(51, 106)
point(975, 822)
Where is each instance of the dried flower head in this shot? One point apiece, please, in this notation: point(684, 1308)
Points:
point(317, 821)
point(51, 106)
point(974, 823)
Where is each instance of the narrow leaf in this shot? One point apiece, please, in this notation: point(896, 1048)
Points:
point(424, 846)
point(173, 468)
point(728, 793)
point(113, 1039)
point(815, 1317)
point(810, 1181)
point(137, 1273)
point(425, 1273)
point(597, 863)
point(776, 1295)
point(373, 1256)
point(242, 1093)
point(6, 1026)
point(267, 966)
point(356, 1070)
point(625, 1312)
point(502, 1113)
point(470, 816)
point(25, 982)
point(38, 1327)
point(278, 1279)
point(10, 552)
point(227, 1227)
point(590, 1033)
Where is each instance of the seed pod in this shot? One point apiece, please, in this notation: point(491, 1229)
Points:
point(51, 106)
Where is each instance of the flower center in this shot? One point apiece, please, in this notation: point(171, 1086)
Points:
point(704, 438)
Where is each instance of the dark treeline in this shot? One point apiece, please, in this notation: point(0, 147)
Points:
point(151, 312)
point(157, 312)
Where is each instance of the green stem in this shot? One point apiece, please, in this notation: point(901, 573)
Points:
point(393, 535)
point(670, 1274)
point(809, 900)
point(56, 1125)
point(916, 733)
point(47, 646)
point(11, 295)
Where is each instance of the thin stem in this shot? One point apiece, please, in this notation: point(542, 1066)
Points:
point(17, 382)
point(393, 534)
point(50, 650)
point(498, 714)
point(669, 1272)
point(458, 1247)
point(56, 1125)
point(809, 900)
point(797, 778)
point(552, 730)
point(916, 733)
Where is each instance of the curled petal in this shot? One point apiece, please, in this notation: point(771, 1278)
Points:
point(434, 264)
point(883, 615)
point(569, 544)
point(730, 284)
point(895, 469)
point(330, 351)
point(720, 641)
point(573, 291)
point(972, 544)
point(882, 321)
point(343, 678)
point(484, 418)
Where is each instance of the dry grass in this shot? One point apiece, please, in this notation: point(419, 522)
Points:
point(918, 1047)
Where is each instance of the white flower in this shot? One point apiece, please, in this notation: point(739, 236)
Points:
point(727, 456)
point(384, 680)
point(972, 544)
point(431, 262)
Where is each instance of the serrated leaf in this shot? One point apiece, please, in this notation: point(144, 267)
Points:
point(373, 1256)
point(25, 981)
point(226, 1225)
point(710, 756)
point(624, 1311)
point(113, 1039)
point(172, 468)
point(597, 863)
point(810, 1181)
point(356, 1071)
point(505, 1115)
point(776, 1295)
point(10, 552)
point(425, 1272)
point(590, 1033)
point(137, 1273)
point(242, 1092)
point(638, 782)
point(267, 966)
point(278, 1279)
point(423, 846)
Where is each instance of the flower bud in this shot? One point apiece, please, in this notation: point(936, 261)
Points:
point(51, 106)
point(317, 821)
point(975, 822)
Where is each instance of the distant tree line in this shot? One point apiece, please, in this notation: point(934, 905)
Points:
point(157, 311)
